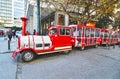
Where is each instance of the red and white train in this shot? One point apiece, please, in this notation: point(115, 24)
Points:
point(109, 37)
point(59, 39)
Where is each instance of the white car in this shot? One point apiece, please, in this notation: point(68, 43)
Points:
point(18, 33)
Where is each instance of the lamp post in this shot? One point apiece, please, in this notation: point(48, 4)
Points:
point(38, 18)
point(37, 4)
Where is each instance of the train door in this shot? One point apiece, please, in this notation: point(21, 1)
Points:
point(64, 38)
point(106, 38)
point(97, 37)
point(53, 33)
point(75, 34)
point(87, 36)
point(77, 38)
point(92, 35)
point(81, 36)
point(116, 37)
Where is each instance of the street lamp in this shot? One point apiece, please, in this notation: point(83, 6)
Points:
point(38, 17)
point(37, 3)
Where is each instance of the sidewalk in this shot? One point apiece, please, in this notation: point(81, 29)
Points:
point(4, 45)
point(8, 66)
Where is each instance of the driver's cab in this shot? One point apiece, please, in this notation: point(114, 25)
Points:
point(60, 35)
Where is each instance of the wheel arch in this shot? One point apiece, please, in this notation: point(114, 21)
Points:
point(28, 49)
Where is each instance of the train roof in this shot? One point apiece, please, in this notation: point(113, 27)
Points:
point(82, 25)
point(58, 26)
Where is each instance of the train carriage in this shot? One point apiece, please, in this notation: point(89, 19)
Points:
point(114, 37)
point(108, 37)
point(83, 36)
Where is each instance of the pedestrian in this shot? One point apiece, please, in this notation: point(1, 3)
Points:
point(27, 33)
point(34, 32)
point(9, 34)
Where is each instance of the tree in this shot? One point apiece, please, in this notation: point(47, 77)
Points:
point(104, 21)
point(117, 21)
point(87, 10)
point(16, 28)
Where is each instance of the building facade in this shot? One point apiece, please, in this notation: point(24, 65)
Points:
point(18, 12)
point(47, 17)
point(10, 12)
point(6, 12)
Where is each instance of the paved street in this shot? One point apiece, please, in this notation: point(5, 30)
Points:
point(8, 67)
point(92, 63)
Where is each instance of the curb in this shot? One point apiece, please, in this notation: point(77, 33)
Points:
point(6, 52)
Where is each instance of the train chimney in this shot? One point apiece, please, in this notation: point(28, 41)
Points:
point(24, 19)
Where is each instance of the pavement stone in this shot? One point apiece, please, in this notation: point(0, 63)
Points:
point(7, 67)
point(112, 53)
point(4, 45)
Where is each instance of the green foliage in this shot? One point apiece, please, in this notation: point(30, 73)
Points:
point(84, 11)
point(103, 22)
point(16, 28)
point(117, 21)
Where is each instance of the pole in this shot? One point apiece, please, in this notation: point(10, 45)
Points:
point(38, 17)
point(8, 44)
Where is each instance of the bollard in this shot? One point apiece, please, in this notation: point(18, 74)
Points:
point(8, 44)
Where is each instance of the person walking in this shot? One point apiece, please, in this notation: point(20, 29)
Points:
point(9, 34)
point(34, 32)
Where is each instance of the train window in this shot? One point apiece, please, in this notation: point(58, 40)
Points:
point(64, 31)
point(47, 44)
point(92, 32)
point(106, 34)
point(53, 31)
point(38, 45)
point(80, 32)
point(97, 33)
point(87, 32)
point(102, 34)
point(75, 32)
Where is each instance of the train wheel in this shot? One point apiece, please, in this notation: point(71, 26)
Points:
point(27, 56)
point(82, 48)
point(96, 46)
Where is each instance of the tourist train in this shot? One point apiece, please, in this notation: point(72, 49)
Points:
point(62, 39)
